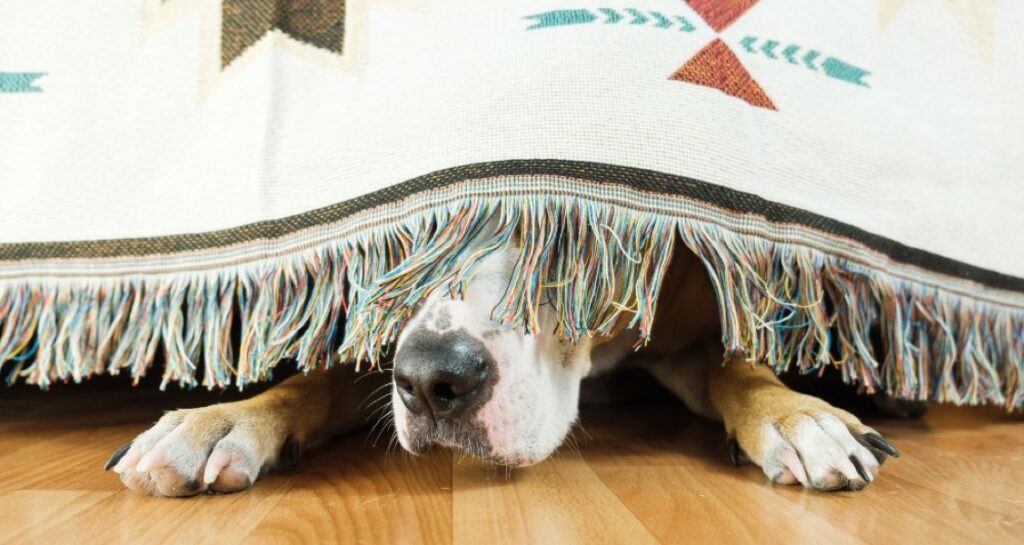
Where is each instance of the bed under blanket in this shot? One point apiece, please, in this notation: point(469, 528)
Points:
point(213, 187)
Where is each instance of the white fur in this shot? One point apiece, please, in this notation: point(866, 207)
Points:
point(814, 451)
point(163, 460)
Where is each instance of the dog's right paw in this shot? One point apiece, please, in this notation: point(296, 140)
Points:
point(799, 439)
point(221, 448)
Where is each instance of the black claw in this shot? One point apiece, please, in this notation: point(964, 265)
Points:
point(734, 452)
point(860, 469)
point(116, 457)
point(880, 443)
point(290, 454)
point(880, 456)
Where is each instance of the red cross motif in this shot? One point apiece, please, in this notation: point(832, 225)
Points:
point(716, 66)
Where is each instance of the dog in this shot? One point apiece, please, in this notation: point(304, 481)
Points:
point(462, 381)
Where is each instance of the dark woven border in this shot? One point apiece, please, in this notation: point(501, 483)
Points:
point(641, 179)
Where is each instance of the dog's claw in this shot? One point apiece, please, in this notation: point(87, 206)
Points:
point(860, 469)
point(881, 444)
point(734, 452)
point(116, 457)
point(290, 454)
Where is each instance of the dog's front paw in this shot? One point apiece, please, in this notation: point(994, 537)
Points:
point(801, 439)
point(222, 448)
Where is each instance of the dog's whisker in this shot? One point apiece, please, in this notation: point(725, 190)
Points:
point(570, 443)
point(382, 398)
point(376, 404)
point(392, 445)
point(381, 387)
point(377, 412)
point(577, 443)
point(381, 405)
point(379, 371)
point(380, 425)
point(377, 417)
point(369, 436)
point(579, 425)
point(385, 422)
point(371, 399)
point(389, 425)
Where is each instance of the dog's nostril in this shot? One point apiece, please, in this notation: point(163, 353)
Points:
point(445, 392)
point(404, 384)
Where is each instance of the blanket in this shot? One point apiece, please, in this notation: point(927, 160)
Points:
point(203, 188)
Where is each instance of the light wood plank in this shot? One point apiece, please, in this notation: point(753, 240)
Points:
point(971, 455)
point(69, 459)
point(561, 501)
point(25, 512)
point(351, 493)
point(681, 504)
point(125, 517)
point(645, 474)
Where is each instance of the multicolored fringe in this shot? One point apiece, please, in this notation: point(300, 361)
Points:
point(781, 304)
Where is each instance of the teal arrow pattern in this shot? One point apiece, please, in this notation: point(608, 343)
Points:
point(663, 22)
point(638, 18)
point(831, 66)
point(609, 16)
point(748, 44)
point(789, 52)
point(20, 82)
point(612, 16)
point(809, 59)
point(684, 24)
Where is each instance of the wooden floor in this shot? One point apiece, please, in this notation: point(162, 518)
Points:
point(646, 474)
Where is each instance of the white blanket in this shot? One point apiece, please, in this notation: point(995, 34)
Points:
point(843, 167)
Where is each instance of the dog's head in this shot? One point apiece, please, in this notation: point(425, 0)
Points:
point(462, 380)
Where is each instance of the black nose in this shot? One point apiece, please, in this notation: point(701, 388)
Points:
point(442, 375)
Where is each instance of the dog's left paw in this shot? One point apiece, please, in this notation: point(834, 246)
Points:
point(801, 439)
